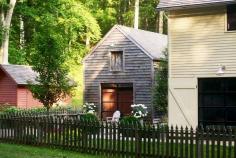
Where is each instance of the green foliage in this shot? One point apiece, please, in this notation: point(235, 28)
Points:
point(48, 61)
point(10, 110)
point(110, 12)
point(160, 92)
point(57, 43)
point(90, 124)
point(67, 22)
point(129, 120)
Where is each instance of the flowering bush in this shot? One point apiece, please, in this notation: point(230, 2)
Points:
point(89, 108)
point(139, 110)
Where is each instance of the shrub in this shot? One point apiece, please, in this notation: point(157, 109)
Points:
point(160, 91)
point(90, 123)
point(127, 126)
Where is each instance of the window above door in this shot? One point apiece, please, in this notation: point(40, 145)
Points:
point(117, 61)
point(231, 17)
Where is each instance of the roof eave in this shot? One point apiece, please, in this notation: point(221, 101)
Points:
point(177, 7)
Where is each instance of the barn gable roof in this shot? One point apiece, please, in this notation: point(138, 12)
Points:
point(21, 74)
point(151, 43)
point(178, 4)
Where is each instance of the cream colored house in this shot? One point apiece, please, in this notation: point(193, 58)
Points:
point(202, 61)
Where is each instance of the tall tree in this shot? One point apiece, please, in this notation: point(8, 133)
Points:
point(61, 29)
point(6, 12)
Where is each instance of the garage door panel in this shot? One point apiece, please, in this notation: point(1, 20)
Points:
point(217, 101)
point(230, 100)
point(213, 100)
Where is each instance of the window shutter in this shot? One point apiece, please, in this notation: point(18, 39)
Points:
point(117, 61)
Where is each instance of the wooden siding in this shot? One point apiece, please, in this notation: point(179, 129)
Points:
point(25, 98)
point(198, 39)
point(137, 69)
point(198, 45)
point(7, 89)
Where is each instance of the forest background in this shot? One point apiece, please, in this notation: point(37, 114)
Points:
point(81, 23)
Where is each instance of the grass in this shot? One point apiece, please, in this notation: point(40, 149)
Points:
point(22, 151)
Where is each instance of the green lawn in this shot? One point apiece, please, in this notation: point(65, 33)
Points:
point(21, 151)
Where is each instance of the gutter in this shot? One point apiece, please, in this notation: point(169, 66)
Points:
point(189, 6)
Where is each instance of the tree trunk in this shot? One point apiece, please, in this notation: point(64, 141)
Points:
point(157, 22)
point(6, 31)
point(22, 31)
point(1, 27)
point(87, 41)
point(161, 22)
point(146, 23)
point(136, 15)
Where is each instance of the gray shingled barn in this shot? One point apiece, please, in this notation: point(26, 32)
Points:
point(119, 71)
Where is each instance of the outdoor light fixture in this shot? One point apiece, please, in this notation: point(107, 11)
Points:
point(221, 70)
point(112, 45)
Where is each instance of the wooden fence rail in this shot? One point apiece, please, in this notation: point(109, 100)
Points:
point(116, 140)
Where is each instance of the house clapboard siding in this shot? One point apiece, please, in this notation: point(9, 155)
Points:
point(7, 89)
point(199, 44)
point(14, 90)
point(25, 98)
point(138, 69)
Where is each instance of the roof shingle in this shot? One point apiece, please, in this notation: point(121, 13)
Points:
point(153, 43)
point(21, 74)
point(176, 4)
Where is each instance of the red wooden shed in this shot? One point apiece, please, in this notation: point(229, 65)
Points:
point(13, 86)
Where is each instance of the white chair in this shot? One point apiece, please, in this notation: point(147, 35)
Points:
point(115, 117)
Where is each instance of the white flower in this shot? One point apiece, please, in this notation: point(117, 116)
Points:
point(90, 112)
point(139, 110)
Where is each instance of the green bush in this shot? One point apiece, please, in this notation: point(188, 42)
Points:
point(90, 124)
point(3, 107)
point(128, 125)
point(129, 120)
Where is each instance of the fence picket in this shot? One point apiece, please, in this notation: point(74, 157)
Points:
point(114, 140)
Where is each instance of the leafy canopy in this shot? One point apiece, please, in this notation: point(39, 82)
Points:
point(60, 31)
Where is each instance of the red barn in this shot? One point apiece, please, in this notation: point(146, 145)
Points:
point(13, 86)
